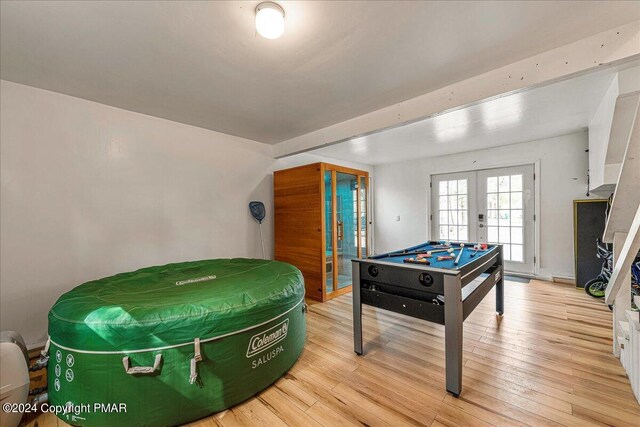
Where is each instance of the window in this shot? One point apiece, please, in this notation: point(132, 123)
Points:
point(505, 215)
point(453, 210)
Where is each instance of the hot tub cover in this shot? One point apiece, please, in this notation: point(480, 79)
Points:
point(155, 307)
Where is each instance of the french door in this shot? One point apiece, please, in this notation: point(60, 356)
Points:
point(493, 206)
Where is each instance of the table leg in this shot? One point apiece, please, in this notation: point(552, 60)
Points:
point(453, 319)
point(500, 286)
point(357, 309)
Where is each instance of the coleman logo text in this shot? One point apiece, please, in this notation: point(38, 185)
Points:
point(266, 339)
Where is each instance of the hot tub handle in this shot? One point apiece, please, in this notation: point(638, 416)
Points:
point(144, 370)
point(197, 357)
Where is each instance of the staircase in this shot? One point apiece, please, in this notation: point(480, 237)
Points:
point(617, 164)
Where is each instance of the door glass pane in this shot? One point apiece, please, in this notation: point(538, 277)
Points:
point(453, 210)
point(503, 200)
point(504, 218)
point(444, 203)
point(492, 217)
point(463, 234)
point(492, 201)
point(347, 224)
point(492, 184)
point(503, 184)
point(453, 217)
point(453, 202)
point(462, 202)
point(453, 232)
point(462, 218)
point(453, 187)
point(492, 234)
point(328, 219)
point(505, 208)
point(504, 235)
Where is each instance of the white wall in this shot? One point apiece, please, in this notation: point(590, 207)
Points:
point(306, 158)
point(402, 189)
point(89, 190)
point(599, 130)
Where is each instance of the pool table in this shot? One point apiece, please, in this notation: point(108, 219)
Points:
point(442, 291)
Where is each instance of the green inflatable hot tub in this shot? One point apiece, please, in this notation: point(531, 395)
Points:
point(170, 344)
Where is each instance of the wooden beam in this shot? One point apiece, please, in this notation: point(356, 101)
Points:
point(623, 263)
point(614, 46)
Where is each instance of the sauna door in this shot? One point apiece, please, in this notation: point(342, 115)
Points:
point(345, 226)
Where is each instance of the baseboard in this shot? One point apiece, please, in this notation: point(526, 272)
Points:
point(564, 280)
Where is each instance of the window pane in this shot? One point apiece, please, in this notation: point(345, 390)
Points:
point(462, 218)
point(462, 233)
point(516, 182)
point(506, 251)
point(516, 218)
point(444, 235)
point(503, 200)
point(444, 203)
point(443, 218)
point(443, 188)
point(453, 187)
point(453, 217)
point(492, 201)
point(462, 186)
point(492, 184)
point(462, 202)
point(504, 236)
point(516, 200)
point(503, 184)
point(453, 233)
point(492, 234)
point(453, 202)
point(516, 253)
point(516, 235)
point(492, 217)
point(504, 218)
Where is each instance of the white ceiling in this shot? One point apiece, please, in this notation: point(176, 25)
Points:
point(543, 112)
point(201, 63)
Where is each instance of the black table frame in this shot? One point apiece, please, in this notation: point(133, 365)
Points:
point(408, 289)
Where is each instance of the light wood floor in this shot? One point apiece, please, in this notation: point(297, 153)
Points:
point(547, 362)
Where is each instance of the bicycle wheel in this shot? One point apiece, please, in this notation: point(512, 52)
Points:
point(595, 288)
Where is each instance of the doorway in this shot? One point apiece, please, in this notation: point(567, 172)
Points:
point(492, 206)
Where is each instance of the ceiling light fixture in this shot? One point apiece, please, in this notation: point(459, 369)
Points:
point(269, 20)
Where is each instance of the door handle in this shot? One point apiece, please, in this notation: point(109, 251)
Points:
point(340, 230)
point(481, 225)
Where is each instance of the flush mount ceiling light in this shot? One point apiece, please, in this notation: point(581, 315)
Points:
point(269, 20)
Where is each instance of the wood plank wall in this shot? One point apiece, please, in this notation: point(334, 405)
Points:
point(298, 223)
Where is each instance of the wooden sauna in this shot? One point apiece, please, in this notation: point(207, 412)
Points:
point(321, 224)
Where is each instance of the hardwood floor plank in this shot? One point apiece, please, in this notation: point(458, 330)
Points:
point(547, 362)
